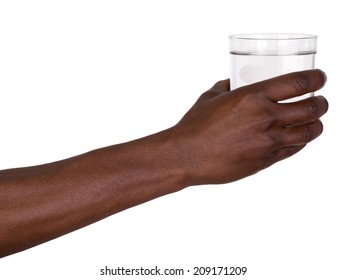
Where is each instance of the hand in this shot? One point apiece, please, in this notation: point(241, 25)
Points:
point(227, 135)
point(224, 137)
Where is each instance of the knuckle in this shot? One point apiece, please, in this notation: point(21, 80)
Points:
point(275, 139)
point(313, 131)
point(269, 117)
point(314, 110)
point(269, 121)
point(302, 82)
point(308, 134)
point(263, 90)
point(256, 91)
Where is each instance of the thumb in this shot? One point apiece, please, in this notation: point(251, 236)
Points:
point(222, 86)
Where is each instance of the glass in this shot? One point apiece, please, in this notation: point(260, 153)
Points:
point(256, 57)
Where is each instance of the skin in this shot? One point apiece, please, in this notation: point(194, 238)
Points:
point(224, 137)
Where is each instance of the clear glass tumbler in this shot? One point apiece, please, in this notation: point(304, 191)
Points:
point(256, 57)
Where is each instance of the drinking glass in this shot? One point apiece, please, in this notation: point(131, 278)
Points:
point(257, 57)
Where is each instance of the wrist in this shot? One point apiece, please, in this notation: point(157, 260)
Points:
point(178, 156)
point(167, 151)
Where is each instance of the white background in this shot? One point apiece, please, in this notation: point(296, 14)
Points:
point(78, 75)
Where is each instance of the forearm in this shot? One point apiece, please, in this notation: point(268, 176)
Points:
point(224, 137)
point(43, 202)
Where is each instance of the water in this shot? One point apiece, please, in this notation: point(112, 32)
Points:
point(248, 69)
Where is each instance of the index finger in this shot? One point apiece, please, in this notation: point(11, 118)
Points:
point(291, 85)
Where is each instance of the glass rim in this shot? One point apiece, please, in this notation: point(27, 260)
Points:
point(273, 44)
point(272, 36)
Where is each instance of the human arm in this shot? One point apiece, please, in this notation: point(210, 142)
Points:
point(224, 137)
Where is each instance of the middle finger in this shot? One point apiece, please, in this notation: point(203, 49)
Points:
point(304, 111)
